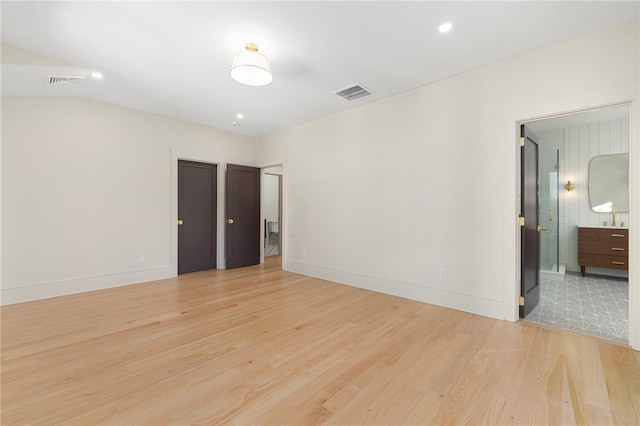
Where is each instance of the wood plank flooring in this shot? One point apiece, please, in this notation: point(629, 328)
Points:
point(259, 345)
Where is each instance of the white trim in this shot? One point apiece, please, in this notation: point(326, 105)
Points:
point(463, 302)
point(82, 285)
point(634, 224)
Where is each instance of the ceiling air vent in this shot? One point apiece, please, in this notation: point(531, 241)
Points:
point(64, 80)
point(354, 91)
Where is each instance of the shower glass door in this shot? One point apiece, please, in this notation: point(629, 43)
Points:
point(549, 206)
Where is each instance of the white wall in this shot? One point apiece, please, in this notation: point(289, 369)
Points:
point(87, 187)
point(581, 145)
point(428, 179)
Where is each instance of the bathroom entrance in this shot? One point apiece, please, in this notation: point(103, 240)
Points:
point(597, 304)
point(272, 211)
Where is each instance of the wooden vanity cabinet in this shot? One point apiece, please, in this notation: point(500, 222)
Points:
point(603, 248)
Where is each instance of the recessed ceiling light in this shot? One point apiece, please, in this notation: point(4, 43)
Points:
point(240, 116)
point(446, 27)
point(96, 75)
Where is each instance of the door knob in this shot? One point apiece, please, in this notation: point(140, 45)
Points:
point(180, 222)
point(230, 221)
point(541, 228)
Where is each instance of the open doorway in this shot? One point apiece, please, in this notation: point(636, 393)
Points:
point(272, 211)
point(598, 302)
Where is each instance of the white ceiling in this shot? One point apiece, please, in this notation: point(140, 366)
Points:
point(173, 58)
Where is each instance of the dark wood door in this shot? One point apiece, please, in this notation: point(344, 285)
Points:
point(242, 236)
point(530, 237)
point(197, 211)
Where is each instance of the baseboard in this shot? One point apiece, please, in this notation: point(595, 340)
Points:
point(554, 275)
point(9, 296)
point(459, 301)
point(599, 271)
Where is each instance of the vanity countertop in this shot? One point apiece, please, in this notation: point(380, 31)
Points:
point(603, 227)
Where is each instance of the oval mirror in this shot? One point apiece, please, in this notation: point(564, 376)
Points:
point(609, 183)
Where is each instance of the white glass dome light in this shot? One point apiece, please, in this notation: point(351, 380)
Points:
point(251, 67)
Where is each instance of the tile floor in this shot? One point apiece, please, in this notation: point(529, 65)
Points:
point(596, 305)
point(271, 250)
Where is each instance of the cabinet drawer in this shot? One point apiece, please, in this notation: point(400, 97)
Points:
point(602, 234)
point(603, 261)
point(614, 248)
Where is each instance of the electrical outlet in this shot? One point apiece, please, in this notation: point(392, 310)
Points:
point(443, 273)
point(141, 258)
point(305, 252)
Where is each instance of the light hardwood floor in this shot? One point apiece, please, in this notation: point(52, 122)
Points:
point(260, 345)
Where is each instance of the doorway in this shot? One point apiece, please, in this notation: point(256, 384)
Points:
point(273, 200)
point(597, 304)
point(272, 213)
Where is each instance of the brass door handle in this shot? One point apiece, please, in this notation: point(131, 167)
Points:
point(541, 228)
point(230, 221)
point(180, 222)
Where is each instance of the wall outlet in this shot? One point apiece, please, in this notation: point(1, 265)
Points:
point(443, 273)
point(305, 252)
point(141, 258)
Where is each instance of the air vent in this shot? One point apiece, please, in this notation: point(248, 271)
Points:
point(354, 91)
point(64, 80)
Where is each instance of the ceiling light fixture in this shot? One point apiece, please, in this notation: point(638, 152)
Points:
point(251, 68)
point(445, 28)
point(97, 75)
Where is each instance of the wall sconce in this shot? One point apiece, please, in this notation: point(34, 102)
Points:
point(569, 186)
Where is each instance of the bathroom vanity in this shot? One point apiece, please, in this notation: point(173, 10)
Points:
point(603, 247)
